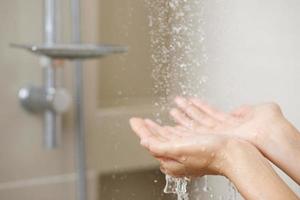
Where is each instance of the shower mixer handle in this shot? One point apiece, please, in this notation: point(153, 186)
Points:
point(59, 100)
point(39, 99)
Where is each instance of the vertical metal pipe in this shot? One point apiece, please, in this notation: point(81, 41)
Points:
point(51, 120)
point(79, 105)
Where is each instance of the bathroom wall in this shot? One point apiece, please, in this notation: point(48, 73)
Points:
point(117, 88)
point(27, 170)
point(253, 56)
point(125, 79)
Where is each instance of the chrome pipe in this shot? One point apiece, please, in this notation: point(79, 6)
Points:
point(79, 106)
point(50, 29)
point(52, 124)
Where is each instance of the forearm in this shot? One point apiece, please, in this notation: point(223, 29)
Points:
point(253, 175)
point(283, 149)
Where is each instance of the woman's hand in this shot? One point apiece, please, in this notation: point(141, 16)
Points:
point(180, 151)
point(183, 152)
point(263, 125)
point(252, 123)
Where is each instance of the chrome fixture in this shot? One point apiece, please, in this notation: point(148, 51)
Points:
point(79, 106)
point(37, 100)
point(51, 99)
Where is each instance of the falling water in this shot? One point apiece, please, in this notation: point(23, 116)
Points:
point(177, 186)
point(232, 191)
point(172, 31)
point(178, 52)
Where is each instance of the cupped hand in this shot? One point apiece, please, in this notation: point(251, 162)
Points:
point(181, 151)
point(252, 123)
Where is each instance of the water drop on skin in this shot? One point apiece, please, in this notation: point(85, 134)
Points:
point(183, 159)
point(150, 21)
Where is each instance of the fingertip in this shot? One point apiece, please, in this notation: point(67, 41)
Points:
point(198, 101)
point(149, 121)
point(181, 101)
point(173, 111)
point(136, 124)
point(151, 124)
point(177, 98)
point(144, 143)
point(134, 120)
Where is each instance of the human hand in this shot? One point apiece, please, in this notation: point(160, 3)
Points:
point(182, 152)
point(252, 123)
point(264, 126)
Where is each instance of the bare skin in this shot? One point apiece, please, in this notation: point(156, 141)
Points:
point(184, 152)
point(263, 125)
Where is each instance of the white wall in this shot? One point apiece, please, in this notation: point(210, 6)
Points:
point(253, 50)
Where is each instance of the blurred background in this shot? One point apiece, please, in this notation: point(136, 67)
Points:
point(116, 88)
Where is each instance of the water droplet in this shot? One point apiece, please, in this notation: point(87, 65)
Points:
point(150, 18)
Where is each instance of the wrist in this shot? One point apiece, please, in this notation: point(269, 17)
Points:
point(276, 133)
point(282, 148)
point(235, 153)
point(251, 172)
point(284, 133)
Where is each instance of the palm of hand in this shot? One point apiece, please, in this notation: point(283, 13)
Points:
point(246, 122)
point(181, 152)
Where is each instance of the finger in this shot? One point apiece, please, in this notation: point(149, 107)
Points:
point(195, 113)
point(213, 112)
point(241, 111)
point(182, 118)
point(165, 150)
point(153, 143)
point(179, 127)
point(159, 130)
point(162, 170)
point(177, 132)
point(139, 127)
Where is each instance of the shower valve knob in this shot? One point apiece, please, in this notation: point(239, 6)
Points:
point(59, 100)
point(37, 99)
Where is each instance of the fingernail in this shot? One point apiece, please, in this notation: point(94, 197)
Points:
point(133, 119)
